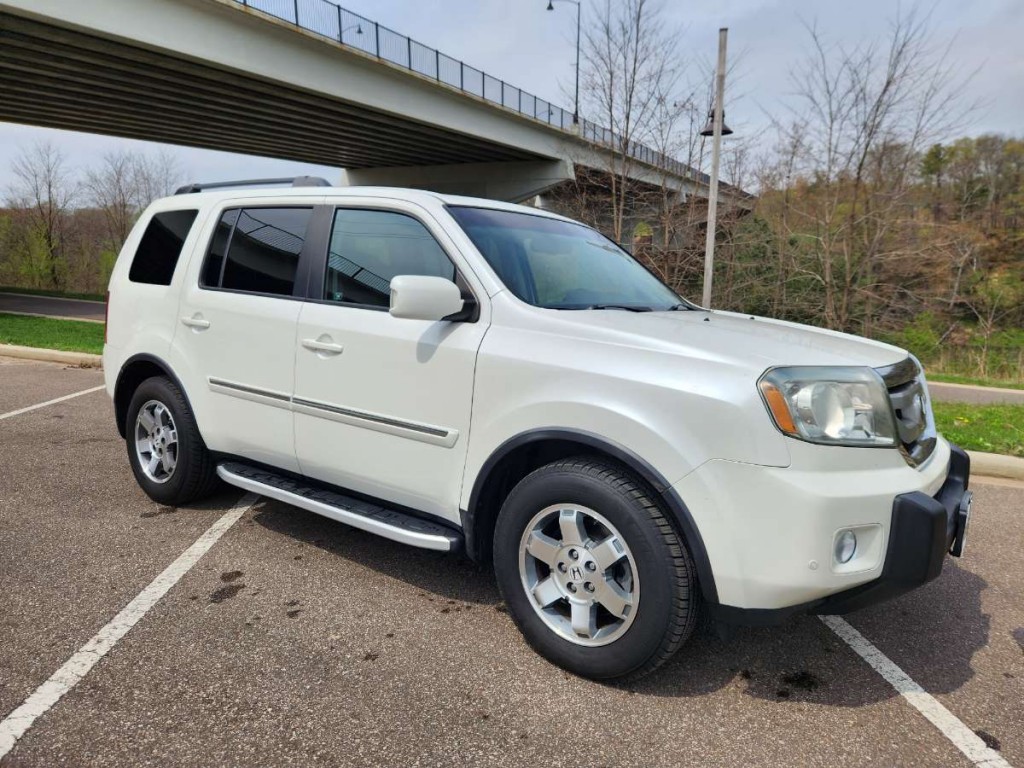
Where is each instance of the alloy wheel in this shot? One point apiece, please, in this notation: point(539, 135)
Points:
point(579, 574)
point(156, 441)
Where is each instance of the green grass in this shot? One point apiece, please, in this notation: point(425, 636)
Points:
point(47, 333)
point(950, 378)
point(57, 294)
point(990, 428)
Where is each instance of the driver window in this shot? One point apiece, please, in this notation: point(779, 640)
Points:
point(369, 247)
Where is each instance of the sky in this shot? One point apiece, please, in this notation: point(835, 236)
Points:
point(520, 42)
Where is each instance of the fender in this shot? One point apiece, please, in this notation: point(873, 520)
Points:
point(675, 505)
point(145, 357)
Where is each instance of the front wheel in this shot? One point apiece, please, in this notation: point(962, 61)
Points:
point(592, 571)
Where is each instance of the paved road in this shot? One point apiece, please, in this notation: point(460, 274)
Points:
point(299, 641)
point(45, 305)
point(964, 393)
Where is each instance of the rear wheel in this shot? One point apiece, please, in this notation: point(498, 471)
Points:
point(592, 571)
point(167, 455)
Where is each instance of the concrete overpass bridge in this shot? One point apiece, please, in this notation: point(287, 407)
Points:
point(301, 80)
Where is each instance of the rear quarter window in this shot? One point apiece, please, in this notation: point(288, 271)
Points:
point(160, 247)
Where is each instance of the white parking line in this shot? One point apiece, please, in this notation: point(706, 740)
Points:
point(49, 402)
point(13, 726)
point(963, 738)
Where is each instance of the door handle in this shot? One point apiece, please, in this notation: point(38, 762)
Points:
point(196, 321)
point(327, 347)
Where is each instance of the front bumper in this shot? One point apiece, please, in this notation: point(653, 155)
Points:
point(924, 529)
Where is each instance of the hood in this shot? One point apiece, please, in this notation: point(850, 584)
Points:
point(744, 340)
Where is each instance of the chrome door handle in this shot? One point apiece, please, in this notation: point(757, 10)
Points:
point(196, 321)
point(323, 346)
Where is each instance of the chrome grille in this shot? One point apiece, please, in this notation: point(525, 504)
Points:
point(908, 396)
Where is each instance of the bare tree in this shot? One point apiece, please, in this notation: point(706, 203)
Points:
point(630, 83)
point(124, 184)
point(45, 191)
point(868, 112)
point(156, 175)
point(637, 81)
point(112, 189)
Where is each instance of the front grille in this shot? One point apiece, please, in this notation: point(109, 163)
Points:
point(908, 396)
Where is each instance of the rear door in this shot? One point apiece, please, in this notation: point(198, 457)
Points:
point(237, 322)
point(382, 404)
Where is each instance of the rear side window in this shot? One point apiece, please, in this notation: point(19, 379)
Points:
point(256, 250)
point(368, 248)
point(160, 247)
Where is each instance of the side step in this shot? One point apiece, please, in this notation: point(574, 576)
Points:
point(389, 523)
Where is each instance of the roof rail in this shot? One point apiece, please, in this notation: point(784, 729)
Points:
point(295, 181)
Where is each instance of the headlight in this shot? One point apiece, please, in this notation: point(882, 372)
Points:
point(832, 405)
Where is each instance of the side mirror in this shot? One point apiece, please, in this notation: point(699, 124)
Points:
point(419, 297)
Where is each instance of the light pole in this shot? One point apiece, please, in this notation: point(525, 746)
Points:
point(716, 129)
point(576, 108)
point(357, 27)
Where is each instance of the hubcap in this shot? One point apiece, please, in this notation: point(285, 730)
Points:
point(156, 441)
point(579, 574)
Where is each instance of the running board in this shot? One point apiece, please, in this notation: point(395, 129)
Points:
point(373, 518)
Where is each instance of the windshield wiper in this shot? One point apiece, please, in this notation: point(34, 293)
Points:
point(679, 307)
point(627, 307)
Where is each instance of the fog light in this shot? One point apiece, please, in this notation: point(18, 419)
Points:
point(846, 545)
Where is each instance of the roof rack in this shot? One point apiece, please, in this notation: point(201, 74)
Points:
point(295, 181)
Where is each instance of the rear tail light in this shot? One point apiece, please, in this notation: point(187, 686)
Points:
point(106, 317)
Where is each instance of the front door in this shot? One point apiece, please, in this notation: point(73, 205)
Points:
point(382, 405)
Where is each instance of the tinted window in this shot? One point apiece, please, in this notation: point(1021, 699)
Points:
point(257, 250)
point(560, 264)
point(160, 247)
point(368, 248)
point(218, 247)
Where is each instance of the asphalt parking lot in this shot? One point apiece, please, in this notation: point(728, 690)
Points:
point(298, 641)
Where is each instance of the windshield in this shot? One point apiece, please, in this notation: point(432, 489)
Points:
point(562, 265)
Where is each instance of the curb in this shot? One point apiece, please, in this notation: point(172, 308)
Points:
point(81, 359)
point(996, 465)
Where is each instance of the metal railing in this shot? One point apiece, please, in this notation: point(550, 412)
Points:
point(330, 20)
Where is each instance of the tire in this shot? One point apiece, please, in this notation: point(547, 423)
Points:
point(188, 473)
point(652, 585)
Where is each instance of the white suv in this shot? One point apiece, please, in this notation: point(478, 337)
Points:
point(468, 375)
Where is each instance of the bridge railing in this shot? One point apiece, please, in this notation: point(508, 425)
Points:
point(330, 20)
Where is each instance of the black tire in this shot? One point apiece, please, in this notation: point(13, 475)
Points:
point(668, 597)
point(195, 474)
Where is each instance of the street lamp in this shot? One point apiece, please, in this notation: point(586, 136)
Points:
point(357, 27)
point(717, 129)
point(709, 129)
point(576, 108)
